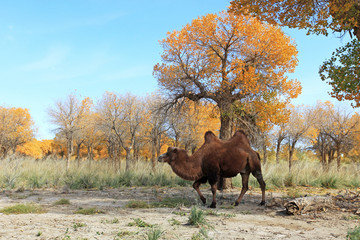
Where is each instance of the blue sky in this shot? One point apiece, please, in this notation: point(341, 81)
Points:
point(50, 49)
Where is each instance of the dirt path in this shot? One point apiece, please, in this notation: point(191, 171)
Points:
point(247, 221)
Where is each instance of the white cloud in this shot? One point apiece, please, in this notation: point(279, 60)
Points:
point(52, 58)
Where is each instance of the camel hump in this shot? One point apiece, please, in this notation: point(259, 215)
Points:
point(241, 136)
point(240, 132)
point(209, 136)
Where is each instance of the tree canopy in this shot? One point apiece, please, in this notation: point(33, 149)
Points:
point(342, 72)
point(227, 58)
point(317, 16)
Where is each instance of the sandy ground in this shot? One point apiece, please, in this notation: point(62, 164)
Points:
point(246, 221)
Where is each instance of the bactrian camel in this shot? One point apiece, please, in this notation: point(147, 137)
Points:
point(217, 159)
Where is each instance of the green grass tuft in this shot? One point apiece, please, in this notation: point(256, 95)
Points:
point(138, 222)
point(197, 218)
point(62, 201)
point(89, 211)
point(154, 233)
point(22, 209)
point(353, 234)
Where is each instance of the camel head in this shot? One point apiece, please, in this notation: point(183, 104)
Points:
point(169, 156)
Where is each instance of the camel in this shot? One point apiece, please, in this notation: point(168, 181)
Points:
point(217, 159)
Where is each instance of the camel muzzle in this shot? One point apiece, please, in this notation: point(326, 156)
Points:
point(161, 157)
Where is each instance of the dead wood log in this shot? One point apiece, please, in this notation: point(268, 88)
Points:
point(307, 204)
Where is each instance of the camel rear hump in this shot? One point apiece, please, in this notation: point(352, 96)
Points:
point(241, 138)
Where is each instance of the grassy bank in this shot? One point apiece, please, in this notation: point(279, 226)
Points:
point(28, 173)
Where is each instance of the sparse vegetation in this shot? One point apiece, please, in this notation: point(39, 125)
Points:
point(138, 222)
point(174, 222)
point(216, 213)
point(172, 203)
point(123, 233)
point(23, 209)
point(137, 204)
point(154, 233)
point(78, 225)
point(201, 235)
point(353, 234)
point(62, 201)
point(163, 203)
point(89, 211)
point(197, 217)
point(111, 221)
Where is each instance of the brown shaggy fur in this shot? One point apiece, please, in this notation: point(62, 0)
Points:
point(217, 159)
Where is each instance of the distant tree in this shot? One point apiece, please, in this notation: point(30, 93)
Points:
point(279, 135)
point(16, 128)
point(342, 128)
point(31, 148)
point(189, 121)
point(301, 120)
point(156, 125)
point(120, 118)
point(320, 140)
point(68, 115)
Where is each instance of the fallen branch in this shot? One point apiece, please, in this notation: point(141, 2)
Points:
point(308, 204)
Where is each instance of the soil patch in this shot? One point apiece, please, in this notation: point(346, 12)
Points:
point(114, 220)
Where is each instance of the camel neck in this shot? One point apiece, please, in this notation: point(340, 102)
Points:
point(187, 167)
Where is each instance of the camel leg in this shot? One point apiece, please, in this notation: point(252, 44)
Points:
point(261, 181)
point(213, 190)
point(196, 186)
point(245, 186)
point(213, 179)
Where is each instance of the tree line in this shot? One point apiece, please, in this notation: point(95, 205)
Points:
point(125, 126)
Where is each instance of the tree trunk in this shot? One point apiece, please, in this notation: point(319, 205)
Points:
point(225, 133)
point(338, 158)
point(265, 153)
point(278, 153)
point(323, 161)
point(128, 160)
point(69, 153)
point(153, 155)
point(291, 153)
point(78, 154)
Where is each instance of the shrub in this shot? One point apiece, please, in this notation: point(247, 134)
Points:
point(154, 233)
point(353, 234)
point(197, 217)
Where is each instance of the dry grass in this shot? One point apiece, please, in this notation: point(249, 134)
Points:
point(26, 173)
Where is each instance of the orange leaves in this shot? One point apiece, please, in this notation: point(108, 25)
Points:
point(16, 127)
point(36, 149)
point(230, 58)
point(225, 52)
